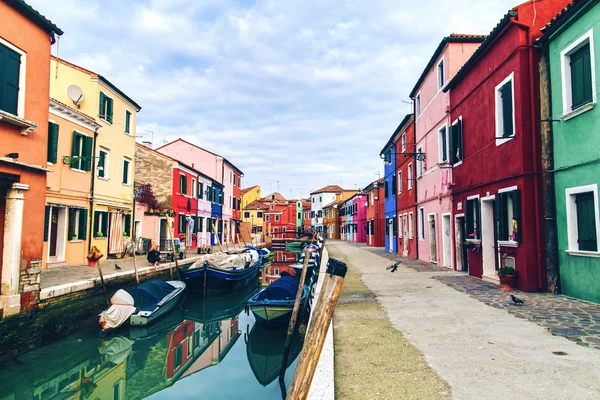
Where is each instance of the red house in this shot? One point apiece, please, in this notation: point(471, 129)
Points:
point(282, 218)
point(495, 151)
point(375, 214)
point(406, 195)
point(236, 206)
point(185, 203)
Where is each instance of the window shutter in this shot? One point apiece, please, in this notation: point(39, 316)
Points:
point(101, 163)
point(456, 142)
point(385, 188)
point(127, 121)
point(109, 111)
point(46, 222)
point(469, 217)
point(83, 219)
point(200, 190)
point(52, 142)
point(10, 65)
point(586, 222)
point(515, 195)
point(87, 153)
point(500, 217)
point(71, 223)
point(105, 223)
point(394, 189)
point(477, 217)
point(75, 148)
point(444, 148)
point(125, 171)
point(127, 224)
point(507, 110)
point(96, 225)
point(101, 111)
point(581, 77)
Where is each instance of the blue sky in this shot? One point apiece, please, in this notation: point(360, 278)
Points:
point(301, 93)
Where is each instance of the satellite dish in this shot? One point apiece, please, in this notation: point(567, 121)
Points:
point(75, 93)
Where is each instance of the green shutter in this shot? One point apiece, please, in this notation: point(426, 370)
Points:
point(507, 110)
point(469, 221)
point(105, 223)
point(581, 77)
point(75, 151)
point(46, 222)
point(83, 219)
point(515, 196)
point(87, 153)
point(200, 190)
point(200, 224)
point(394, 227)
point(102, 111)
point(127, 224)
point(109, 111)
point(71, 231)
point(127, 121)
point(52, 142)
point(444, 148)
point(101, 164)
point(96, 225)
point(500, 205)
point(125, 171)
point(477, 217)
point(10, 65)
point(586, 222)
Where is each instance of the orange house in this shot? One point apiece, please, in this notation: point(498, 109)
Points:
point(25, 40)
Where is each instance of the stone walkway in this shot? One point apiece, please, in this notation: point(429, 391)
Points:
point(573, 319)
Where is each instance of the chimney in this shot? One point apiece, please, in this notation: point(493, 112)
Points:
point(147, 143)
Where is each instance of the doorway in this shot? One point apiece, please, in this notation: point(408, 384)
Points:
point(446, 241)
point(162, 235)
point(405, 233)
point(432, 239)
point(53, 232)
point(391, 236)
point(461, 251)
point(488, 242)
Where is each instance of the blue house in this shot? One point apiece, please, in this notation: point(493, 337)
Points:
point(388, 154)
point(217, 197)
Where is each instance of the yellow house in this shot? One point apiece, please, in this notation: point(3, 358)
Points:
point(249, 195)
point(67, 227)
point(112, 151)
point(252, 208)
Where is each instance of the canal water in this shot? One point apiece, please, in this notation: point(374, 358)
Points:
point(209, 347)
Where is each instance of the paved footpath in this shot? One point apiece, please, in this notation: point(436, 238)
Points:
point(481, 350)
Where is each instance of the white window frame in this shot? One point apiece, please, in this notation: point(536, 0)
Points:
point(410, 175)
point(194, 188)
point(22, 77)
point(284, 229)
point(418, 105)
point(106, 158)
point(440, 147)
point(277, 218)
point(440, 85)
point(130, 161)
point(565, 66)
point(421, 223)
point(105, 119)
point(419, 163)
point(510, 214)
point(403, 141)
point(399, 182)
point(572, 234)
point(450, 133)
point(400, 227)
point(498, 108)
point(411, 220)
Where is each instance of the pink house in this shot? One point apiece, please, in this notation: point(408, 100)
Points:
point(215, 167)
point(432, 173)
point(356, 218)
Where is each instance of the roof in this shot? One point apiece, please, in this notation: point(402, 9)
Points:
point(355, 195)
point(565, 18)
point(202, 148)
point(268, 198)
point(89, 119)
point(101, 79)
point(246, 190)
point(329, 189)
point(333, 203)
point(305, 203)
point(256, 205)
point(408, 118)
point(35, 16)
point(453, 38)
point(480, 50)
point(371, 185)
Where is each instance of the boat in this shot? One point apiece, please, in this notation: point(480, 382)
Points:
point(265, 253)
point(274, 305)
point(313, 262)
point(141, 305)
point(227, 271)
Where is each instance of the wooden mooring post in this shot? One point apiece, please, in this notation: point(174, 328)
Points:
point(317, 332)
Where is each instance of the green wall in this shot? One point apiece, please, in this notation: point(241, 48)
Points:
point(576, 141)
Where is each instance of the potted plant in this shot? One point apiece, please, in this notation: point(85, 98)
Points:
point(73, 238)
point(506, 275)
point(125, 233)
point(99, 234)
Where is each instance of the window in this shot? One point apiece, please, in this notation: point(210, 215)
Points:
point(508, 215)
point(505, 106)
point(456, 139)
point(399, 181)
point(234, 203)
point(126, 174)
point(181, 224)
point(443, 146)
point(320, 213)
point(418, 105)
point(102, 167)
point(272, 207)
point(299, 216)
point(440, 73)
point(409, 176)
point(234, 179)
point(394, 185)
point(246, 214)
point(320, 199)
point(106, 108)
point(385, 188)
point(410, 226)
point(268, 218)
point(284, 229)
point(306, 215)
point(193, 187)
point(77, 224)
point(221, 198)
point(583, 219)
point(400, 226)
point(419, 163)
point(394, 227)
point(117, 390)
point(100, 224)
point(200, 227)
point(177, 356)
point(422, 223)
point(127, 121)
point(200, 190)
point(259, 214)
point(81, 152)
point(52, 142)
point(127, 225)
point(578, 76)
point(12, 67)
point(404, 142)
point(472, 218)
point(313, 200)
point(182, 184)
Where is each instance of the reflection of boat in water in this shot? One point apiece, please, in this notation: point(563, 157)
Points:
point(217, 307)
point(264, 349)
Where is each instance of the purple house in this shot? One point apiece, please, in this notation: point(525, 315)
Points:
point(356, 218)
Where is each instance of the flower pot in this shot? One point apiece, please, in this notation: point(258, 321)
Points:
point(91, 264)
point(505, 281)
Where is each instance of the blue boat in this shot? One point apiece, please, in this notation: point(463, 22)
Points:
point(274, 305)
point(223, 271)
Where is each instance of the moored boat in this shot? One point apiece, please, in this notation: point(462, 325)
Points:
point(141, 305)
point(274, 305)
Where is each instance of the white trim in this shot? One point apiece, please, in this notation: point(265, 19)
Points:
point(420, 162)
point(475, 196)
point(410, 176)
point(565, 70)
point(508, 189)
point(72, 116)
point(437, 68)
point(411, 228)
point(22, 77)
point(498, 107)
point(445, 262)
point(508, 243)
point(489, 198)
point(125, 158)
point(572, 234)
point(130, 133)
point(579, 253)
point(184, 169)
point(399, 182)
point(440, 147)
point(418, 112)
point(105, 120)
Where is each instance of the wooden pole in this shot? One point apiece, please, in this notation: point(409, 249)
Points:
point(315, 337)
point(102, 282)
point(292, 325)
point(170, 234)
point(132, 231)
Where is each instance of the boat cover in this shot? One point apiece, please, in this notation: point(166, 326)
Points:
point(120, 310)
point(284, 288)
point(149, 294)
point(228, 261)
point(115, 350)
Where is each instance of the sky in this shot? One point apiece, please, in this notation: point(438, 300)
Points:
point(296, 94)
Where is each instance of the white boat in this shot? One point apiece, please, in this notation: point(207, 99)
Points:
point(141, 305)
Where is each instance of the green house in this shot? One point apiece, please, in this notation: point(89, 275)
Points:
point(572, 42)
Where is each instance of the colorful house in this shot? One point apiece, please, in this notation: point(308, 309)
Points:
point(388, 154)
point(216, 194)
point(249, 196)
point(572, 45)
point(306, 220)
point(432, 169)
point(495, 152)
point(108, 155)
point(68, 198)
point(342, 220)
point(331, 220)
point(299, 211)
point(236, 202)
point(254, 214)
point(356, 218)
point(25, 40)
point(375, 214)
point(406, 195)
point(322, 197)
point(282, 219)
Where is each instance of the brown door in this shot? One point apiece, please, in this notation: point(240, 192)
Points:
point(53, 231)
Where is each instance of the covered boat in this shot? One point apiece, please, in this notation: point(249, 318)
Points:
point(223, 271)
point(141, 305)
point(274, 305)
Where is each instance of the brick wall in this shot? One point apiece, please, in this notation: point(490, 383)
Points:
point(157, 170)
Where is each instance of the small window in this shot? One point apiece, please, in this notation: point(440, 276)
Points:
point(422, 223)
point(77, 224)
point(268, 218)
point(409, 176)
point(583, 218)
point(106, 108)
point(443, 145)
point(418, 105)
point(127, 121)
point(419, 163)
point(299, 216)
point(100, 224)
point(456, 140)
point(102, 166)
point(505, 106)
point(404, 142)
point(126, 171)
point(410, 226)
point(177, 357)
point(399, 182)
point(578, 68)
point(182, 224)
point(52, 142)
point(246, 214)
point(259, 214)
point(313, 200)
point(385, 188)
point(272, 207)
point(200, 227)
point(394, 185)
point(182, 184)
point(193, 187)
point(200, 190)
point(508, 216)
point(440, 72)
point(284, 229)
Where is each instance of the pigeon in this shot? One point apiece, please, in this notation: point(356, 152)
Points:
point(393, 267)
point(517, 301)
point(117, 267)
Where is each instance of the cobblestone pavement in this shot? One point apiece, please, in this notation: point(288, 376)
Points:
point(576, 320)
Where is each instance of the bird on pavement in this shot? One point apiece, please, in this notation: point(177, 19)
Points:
point(117, 267)
point(517, 301)
point(393, 267)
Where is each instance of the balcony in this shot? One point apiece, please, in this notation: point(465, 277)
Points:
point(25, 125)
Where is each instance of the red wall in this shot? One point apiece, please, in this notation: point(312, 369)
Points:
point(180, 201)
point(175, 338)
point(287, 219)
point(405, 201)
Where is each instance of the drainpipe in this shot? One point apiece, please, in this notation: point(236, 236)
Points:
point(91, 218)
point(416, 218)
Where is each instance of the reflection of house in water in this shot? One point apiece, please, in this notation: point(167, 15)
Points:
point(283, 262)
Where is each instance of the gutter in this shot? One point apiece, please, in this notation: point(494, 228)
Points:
point(91, 219)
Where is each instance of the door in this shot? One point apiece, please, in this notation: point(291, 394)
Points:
point(446, 241)
point(432, 239)
point(462, 252)
point(488, 241)
point(405, 233)
point(162, 236)
point(53, 231)
point(390, 234)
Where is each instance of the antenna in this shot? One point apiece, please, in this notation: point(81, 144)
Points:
point(75, 94)
point(278, 186)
